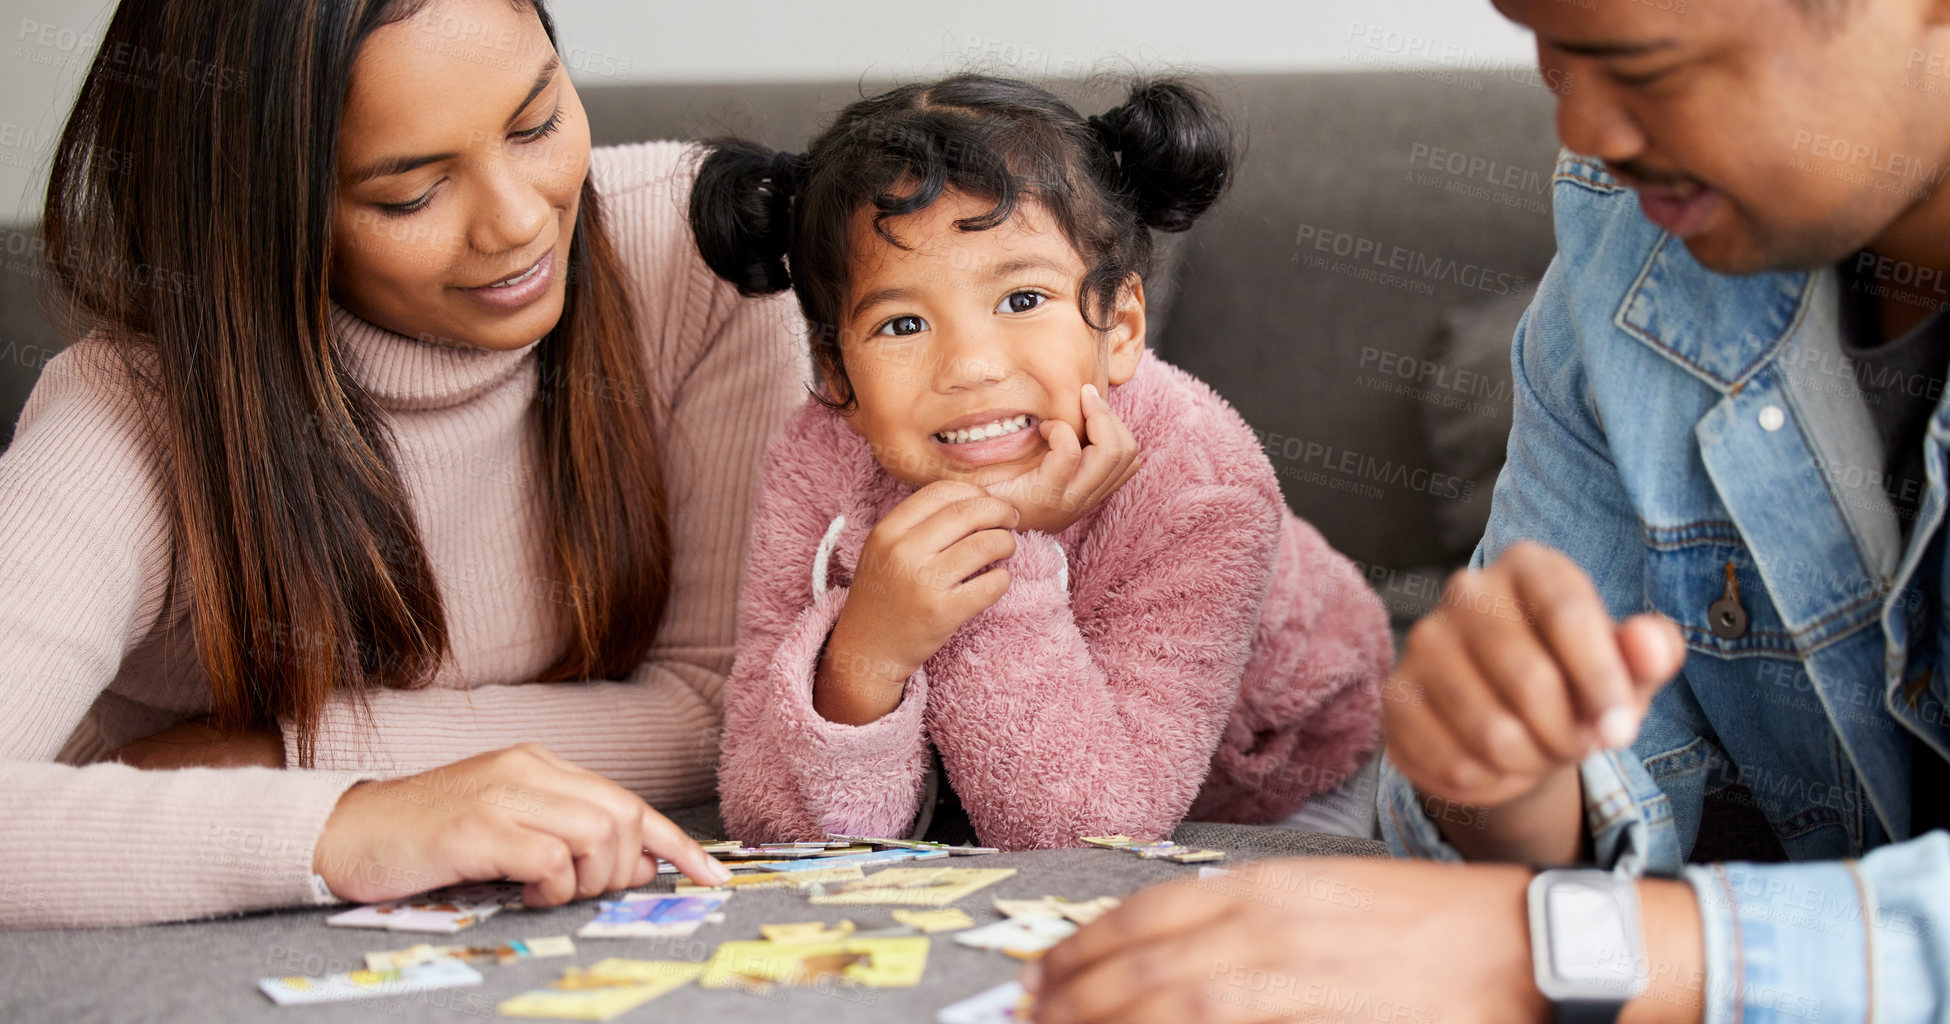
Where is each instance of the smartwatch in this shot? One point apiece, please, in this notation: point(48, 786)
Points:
point(1587, 943)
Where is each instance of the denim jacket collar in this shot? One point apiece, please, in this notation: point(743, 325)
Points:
point(1723, 333)
point(1793, 454)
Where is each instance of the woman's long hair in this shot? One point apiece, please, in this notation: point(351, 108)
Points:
point(188, 220)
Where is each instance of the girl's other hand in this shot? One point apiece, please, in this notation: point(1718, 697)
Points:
point(522, 814)
point(1074, 477)
point(915, 585)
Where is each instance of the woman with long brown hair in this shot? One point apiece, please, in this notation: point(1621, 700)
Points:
point(400, 475)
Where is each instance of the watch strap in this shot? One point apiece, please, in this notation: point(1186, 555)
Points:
point(1587, 1011)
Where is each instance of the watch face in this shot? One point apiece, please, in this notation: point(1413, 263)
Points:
point(1589, 944)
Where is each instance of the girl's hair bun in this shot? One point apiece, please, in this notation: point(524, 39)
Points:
point(741, 214)
point(1173, 148)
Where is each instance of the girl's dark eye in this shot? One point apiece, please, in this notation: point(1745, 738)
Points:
point(1021, 302)
point(902, 326)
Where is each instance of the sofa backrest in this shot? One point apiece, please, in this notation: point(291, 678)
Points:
point(1375, 217)
point(1371, 212)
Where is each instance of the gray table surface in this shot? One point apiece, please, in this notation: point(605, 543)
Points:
point(208, 970)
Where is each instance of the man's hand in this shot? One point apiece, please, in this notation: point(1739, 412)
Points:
point(1074, 477)
point(915, 585)
point(1313, 939)
point(1356, 941)
point(1519, 675)
point(197, 744)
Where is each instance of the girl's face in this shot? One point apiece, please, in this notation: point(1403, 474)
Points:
point(461, 162)
point(958, 346)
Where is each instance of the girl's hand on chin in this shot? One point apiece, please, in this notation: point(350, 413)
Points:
point(1074, 477)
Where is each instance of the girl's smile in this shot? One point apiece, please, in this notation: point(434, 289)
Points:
point(968, 347)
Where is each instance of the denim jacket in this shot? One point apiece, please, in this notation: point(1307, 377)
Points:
point(1691, 438)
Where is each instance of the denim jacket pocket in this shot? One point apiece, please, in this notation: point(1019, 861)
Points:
point(1702, 576)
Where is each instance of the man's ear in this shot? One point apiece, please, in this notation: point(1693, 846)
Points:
point(1125, 343)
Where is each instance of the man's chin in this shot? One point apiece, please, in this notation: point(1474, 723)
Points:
point(1738, 249)
point(1740, 257)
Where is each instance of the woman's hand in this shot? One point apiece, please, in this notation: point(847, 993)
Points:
point(1074, 477)
point(196, 744)
point(910, 592)
point(522, 814)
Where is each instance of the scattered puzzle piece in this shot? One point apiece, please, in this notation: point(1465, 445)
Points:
point(1057, 907)
point(778, 880)
point(640, 916)
point(333, 988)
point(806, 931)
point(923, 887)
point(507, 952)
point(876, 963)
point(1024, 938)
point(931, 921)
point(1006, 1003)
point(602, 991)
point(442, 910)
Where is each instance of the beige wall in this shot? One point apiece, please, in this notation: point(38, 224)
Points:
point(45, 46)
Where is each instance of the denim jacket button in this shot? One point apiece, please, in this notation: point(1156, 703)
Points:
point(1772, 418)
point(1727, 619)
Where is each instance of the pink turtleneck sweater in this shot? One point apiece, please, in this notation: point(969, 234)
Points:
point(90, 659)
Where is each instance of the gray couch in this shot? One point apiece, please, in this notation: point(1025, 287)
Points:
point(1353, 296)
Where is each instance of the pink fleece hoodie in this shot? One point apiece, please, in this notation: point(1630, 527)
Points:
point(1189, 647)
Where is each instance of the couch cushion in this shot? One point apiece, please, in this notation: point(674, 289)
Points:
point(1464, 392)
point(1369, 206)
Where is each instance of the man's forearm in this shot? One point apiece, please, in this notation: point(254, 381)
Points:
point(1675, 951)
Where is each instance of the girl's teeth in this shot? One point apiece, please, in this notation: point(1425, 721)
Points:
point(983, 433)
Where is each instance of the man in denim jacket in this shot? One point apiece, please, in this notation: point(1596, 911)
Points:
point(1713, 565)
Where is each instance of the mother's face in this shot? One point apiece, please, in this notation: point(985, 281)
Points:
point(461, 159)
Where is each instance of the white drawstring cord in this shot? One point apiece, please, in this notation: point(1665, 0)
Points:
point(825, 554)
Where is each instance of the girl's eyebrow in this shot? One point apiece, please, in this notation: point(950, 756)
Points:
point(878, 296)
point(1010, 268)
point(995, 272)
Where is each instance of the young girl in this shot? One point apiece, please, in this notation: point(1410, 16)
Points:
point(1001, 528)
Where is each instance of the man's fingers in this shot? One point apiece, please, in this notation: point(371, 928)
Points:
point(1486, 731)
point(1564, 609)
point(1654, 650)
point(1528, 679)
point(1150, 914)
point(1162, 980)
point(1428, 754)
